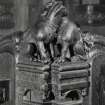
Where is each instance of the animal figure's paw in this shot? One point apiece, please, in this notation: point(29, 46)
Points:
point(45, 60)
point(34, 59)
point(78, 58)
point(60, 60)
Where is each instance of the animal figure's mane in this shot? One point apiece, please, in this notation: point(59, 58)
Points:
point(55, 6)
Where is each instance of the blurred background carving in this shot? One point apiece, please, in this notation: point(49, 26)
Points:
point(6, 14)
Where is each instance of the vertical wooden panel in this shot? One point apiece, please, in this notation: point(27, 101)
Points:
point(7, 74)
point(21, 14)
point(35, 7)
point(97, 86)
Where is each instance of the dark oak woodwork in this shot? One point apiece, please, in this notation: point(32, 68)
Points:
point(34, 83)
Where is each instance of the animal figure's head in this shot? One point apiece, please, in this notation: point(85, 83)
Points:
point(52, 8)
point(47, 7)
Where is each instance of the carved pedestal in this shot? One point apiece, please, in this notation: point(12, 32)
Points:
point(30, 83)
point(70, 82)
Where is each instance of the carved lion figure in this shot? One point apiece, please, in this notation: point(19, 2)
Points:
point(51, 20)
point(54, 24)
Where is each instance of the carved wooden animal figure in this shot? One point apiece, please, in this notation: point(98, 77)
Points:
point(57, 25)
point(54, 24)
point(48, 27)
point(68, 35)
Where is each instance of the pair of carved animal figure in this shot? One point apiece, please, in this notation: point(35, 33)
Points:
point(47, 33)
point(47, 28)
point(55, 24)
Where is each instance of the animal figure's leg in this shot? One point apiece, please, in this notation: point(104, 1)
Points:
point(64, 51)
point(52, 50)
point(41, 38)
point(68, 54)
point(42, 49)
